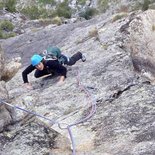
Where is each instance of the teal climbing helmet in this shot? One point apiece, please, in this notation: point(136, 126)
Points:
point(36, 59)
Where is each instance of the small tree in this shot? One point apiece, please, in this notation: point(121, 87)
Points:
point(145, 5)
point(88, 13)
point(32, 12)
point(6, 26)
point(10, 5)
point(63, 10)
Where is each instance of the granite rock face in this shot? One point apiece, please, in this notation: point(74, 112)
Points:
point(120, 56)
point(6, 113)
point(1, 61)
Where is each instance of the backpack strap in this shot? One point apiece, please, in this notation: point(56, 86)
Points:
point(49, 55)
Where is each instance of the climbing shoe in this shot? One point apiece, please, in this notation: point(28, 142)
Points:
point(83, 58)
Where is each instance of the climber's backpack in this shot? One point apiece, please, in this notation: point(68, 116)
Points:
point(54, 53)
point(51, 53)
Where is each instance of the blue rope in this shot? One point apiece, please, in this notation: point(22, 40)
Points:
point(27, 111)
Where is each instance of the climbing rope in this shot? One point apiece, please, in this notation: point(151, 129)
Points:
point(69, 126)
point(91, 113)
point(27, 111)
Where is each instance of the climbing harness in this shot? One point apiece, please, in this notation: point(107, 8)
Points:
point(69, 126)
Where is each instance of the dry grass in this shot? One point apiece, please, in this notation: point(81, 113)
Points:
point(93, 33)
point(153, 27)
point(119, 16)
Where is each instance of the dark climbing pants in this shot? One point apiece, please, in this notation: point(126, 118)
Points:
point(72, 60)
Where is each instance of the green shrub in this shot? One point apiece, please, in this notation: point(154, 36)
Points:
point(1, 5)
point(82, 2)
point(63, 10)
point(32, 12)
point(145, 5)
point(42, 13)
point(52, 2)
point(142, 5)
point(6, 35)
point(103, 5)
point(10, 5)
point(1, 34)
point(88, 13)
point(5, 29)
point(152, 6)
point(9, 35)
point(137, 6)
point(6, 25)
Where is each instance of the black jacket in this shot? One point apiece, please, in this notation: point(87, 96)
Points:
point(52, 65)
